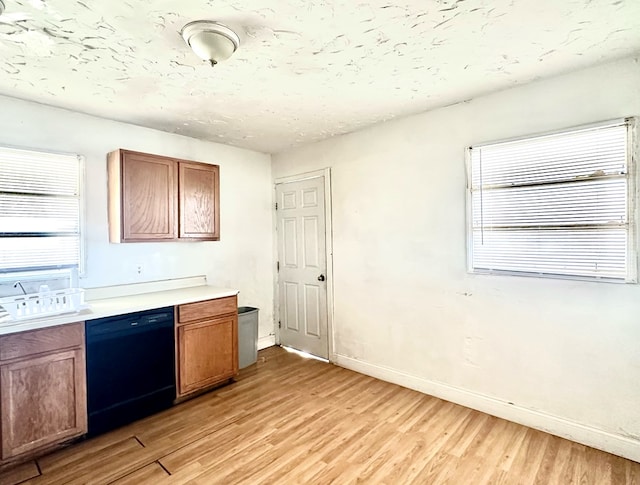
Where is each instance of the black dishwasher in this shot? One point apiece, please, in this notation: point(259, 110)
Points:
point(130, 367)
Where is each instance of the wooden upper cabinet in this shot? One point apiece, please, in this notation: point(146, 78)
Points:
point(199, 185)
point(144, 197)
point(156, 198)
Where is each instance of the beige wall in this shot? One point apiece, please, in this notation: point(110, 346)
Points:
point(556, 354)
point(242, 259)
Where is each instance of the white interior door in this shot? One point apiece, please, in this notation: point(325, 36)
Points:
point(302, 264)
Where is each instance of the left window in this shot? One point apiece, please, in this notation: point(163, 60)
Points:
point(40, 210)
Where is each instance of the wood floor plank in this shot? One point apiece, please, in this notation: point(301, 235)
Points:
point(465, 436)
point(212, 448)
point(90, 452)
point(549, 461)
point(492, 449)
point(103, 465)
point(292, 420)
point(19, 474)
point(529, 459)
point(420, 414)
point(147, 474)
point(513, 448)
point(573, 472)
point(343, 445)
point(404, 468)
point(101, 445)
point(561, 464)
point(600, 472)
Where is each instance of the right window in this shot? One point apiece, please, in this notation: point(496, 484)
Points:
point(556, 205)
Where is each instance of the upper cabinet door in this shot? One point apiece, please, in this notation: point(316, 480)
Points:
point(156, 198)
point(148, 195)
point(199, 187)
point(142, 197)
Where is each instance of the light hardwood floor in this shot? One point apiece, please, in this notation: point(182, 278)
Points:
point(293, 420)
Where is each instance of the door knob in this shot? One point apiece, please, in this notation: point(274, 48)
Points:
point(321, 277)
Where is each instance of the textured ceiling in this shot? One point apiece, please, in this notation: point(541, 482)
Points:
point(306, 69)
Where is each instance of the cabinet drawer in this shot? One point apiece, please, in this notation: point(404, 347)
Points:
point(192, 312)
point(32, 342)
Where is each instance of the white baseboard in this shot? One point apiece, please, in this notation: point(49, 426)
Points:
point(586, 435)
point(268, 341)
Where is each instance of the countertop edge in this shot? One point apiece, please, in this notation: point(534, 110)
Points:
point(108, 307)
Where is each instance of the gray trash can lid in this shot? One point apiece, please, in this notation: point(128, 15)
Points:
point(246, 309)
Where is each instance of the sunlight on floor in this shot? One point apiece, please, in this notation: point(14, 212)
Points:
point(303, 354)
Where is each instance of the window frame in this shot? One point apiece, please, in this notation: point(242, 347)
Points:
point(81, 268)
point(633, 184)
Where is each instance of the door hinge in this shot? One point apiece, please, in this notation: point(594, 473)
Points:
point(279, 324)
point(278, 266)
point(276, 206)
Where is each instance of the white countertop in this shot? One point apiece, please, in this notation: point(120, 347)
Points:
point(107, 307)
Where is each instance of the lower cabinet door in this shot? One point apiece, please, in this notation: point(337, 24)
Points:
point(207, 353)
point(43, 401)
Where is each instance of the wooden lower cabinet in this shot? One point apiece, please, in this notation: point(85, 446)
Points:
point(206, 353)
point(42, 395)
point(207, 346)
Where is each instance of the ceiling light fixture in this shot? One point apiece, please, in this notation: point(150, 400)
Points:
point(211, 41)
point(1, 7)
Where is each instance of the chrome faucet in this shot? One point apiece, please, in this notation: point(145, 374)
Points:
point(18, 283)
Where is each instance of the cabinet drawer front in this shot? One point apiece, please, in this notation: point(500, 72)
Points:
point(192, 312)
point(21, 344)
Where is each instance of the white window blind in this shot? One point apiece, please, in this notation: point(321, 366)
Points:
point(554, 205)
point(39, 210)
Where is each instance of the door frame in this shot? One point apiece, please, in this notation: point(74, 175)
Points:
point(328, 231)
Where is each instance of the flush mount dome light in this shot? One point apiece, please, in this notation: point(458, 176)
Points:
point(211, 41)
point(1, 7)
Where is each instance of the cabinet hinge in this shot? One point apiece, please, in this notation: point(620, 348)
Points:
point(279, 324)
